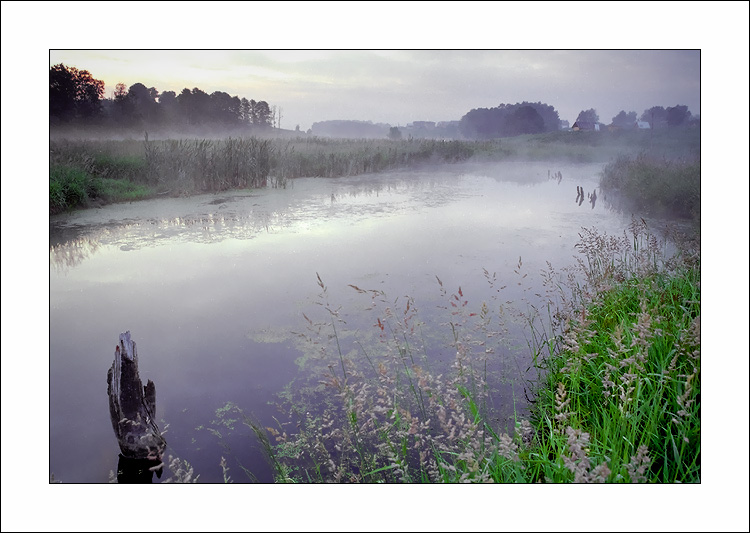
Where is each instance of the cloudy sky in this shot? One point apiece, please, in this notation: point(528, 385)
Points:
point(394, 87)
point(400, 86)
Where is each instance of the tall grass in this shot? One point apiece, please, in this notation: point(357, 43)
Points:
point(617, 399)
point(189, 166)
point(624, 363)
point(656, 185)
point(333, 158)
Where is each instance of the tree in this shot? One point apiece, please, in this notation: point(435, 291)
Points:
point(245, 114)
point(262, 114)
point(588, 115)
point(524, 120)
point(224, 109)
point(625, 120)
point(144, 107)
point(168, 107)
point(656, 116)
point(121, 91)
point(73, 93)
point(677, 115)
point(508, 120)
point(194, 105)
point(548, 113)
point(394, 133)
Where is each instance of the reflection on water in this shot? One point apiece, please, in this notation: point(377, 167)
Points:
point(214, 288)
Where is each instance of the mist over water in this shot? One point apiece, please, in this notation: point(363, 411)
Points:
point(214, 287)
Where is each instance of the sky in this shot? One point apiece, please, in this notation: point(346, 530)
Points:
point(394, 87)
point(400, 86)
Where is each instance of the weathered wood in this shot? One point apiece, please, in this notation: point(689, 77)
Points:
point(132, 408)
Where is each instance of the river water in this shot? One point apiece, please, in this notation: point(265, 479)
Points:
point(214, 288)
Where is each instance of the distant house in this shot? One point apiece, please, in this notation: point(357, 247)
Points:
point(585, 126)
point(642, 125)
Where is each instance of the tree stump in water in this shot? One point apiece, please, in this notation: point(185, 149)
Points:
point(132, 408)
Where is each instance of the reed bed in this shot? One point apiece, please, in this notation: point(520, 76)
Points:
point(207, 166)
point(191, 166)
point(656, 185)
point(329, 158)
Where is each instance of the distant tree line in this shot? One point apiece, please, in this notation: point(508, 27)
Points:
point(657, 117)
point(76, 97)
point(508, 120)
point(358, 129)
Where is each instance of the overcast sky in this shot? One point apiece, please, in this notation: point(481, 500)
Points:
point(396, 88)
point(400, 86)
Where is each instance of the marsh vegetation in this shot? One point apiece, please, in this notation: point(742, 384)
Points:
point(396, 388)
point(88, 172)
point(616, 348)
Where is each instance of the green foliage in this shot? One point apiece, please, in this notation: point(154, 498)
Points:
point(628, 372)
point(68, 188)
point(656, 185)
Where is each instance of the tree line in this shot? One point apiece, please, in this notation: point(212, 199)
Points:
point(76, 97)
point(508, 120)
point(657, 117)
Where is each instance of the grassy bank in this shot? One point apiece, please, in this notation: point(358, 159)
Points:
point(656, 185)
point(142, 169)
point(617, 398)
point(621, 392)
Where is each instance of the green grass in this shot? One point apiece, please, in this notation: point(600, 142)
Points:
point(72, 187)
point(618, 399)
point(659, 186)
point(627, 372)
point(192, 166)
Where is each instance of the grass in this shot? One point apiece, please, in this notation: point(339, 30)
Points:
point(71, 186)
point(191, 166)
point(617, 398)
point(656, 185)
point(624, 368)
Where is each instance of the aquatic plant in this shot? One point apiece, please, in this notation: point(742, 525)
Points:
point(656, 185)
point(617, 400)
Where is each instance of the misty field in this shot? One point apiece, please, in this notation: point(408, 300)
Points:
point(87, 173)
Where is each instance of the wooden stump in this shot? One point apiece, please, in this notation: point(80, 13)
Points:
point(132, 408)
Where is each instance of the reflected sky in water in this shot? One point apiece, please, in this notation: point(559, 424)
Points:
point(213, 287)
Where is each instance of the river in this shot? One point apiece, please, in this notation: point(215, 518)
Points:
point(214, 288)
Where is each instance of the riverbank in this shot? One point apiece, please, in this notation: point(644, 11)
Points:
point(617, 398)
point(89, 173)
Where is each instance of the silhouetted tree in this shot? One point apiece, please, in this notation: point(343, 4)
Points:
point(262, 114)
point(677, 115)
point(194, 105)
point(524, 120)
point(507, 120)
point(656, 116)
point(73, 93)
point(144, 108)
point(224, 109)
point(589, 115)
point(548, 113)
point(394, 133)
point(168, 107)
point(625, 120)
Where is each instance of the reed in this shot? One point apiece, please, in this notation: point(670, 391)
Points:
point(656, 185)
point(617, 400)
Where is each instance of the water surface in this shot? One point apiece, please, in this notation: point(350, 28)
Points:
point(213, 287)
